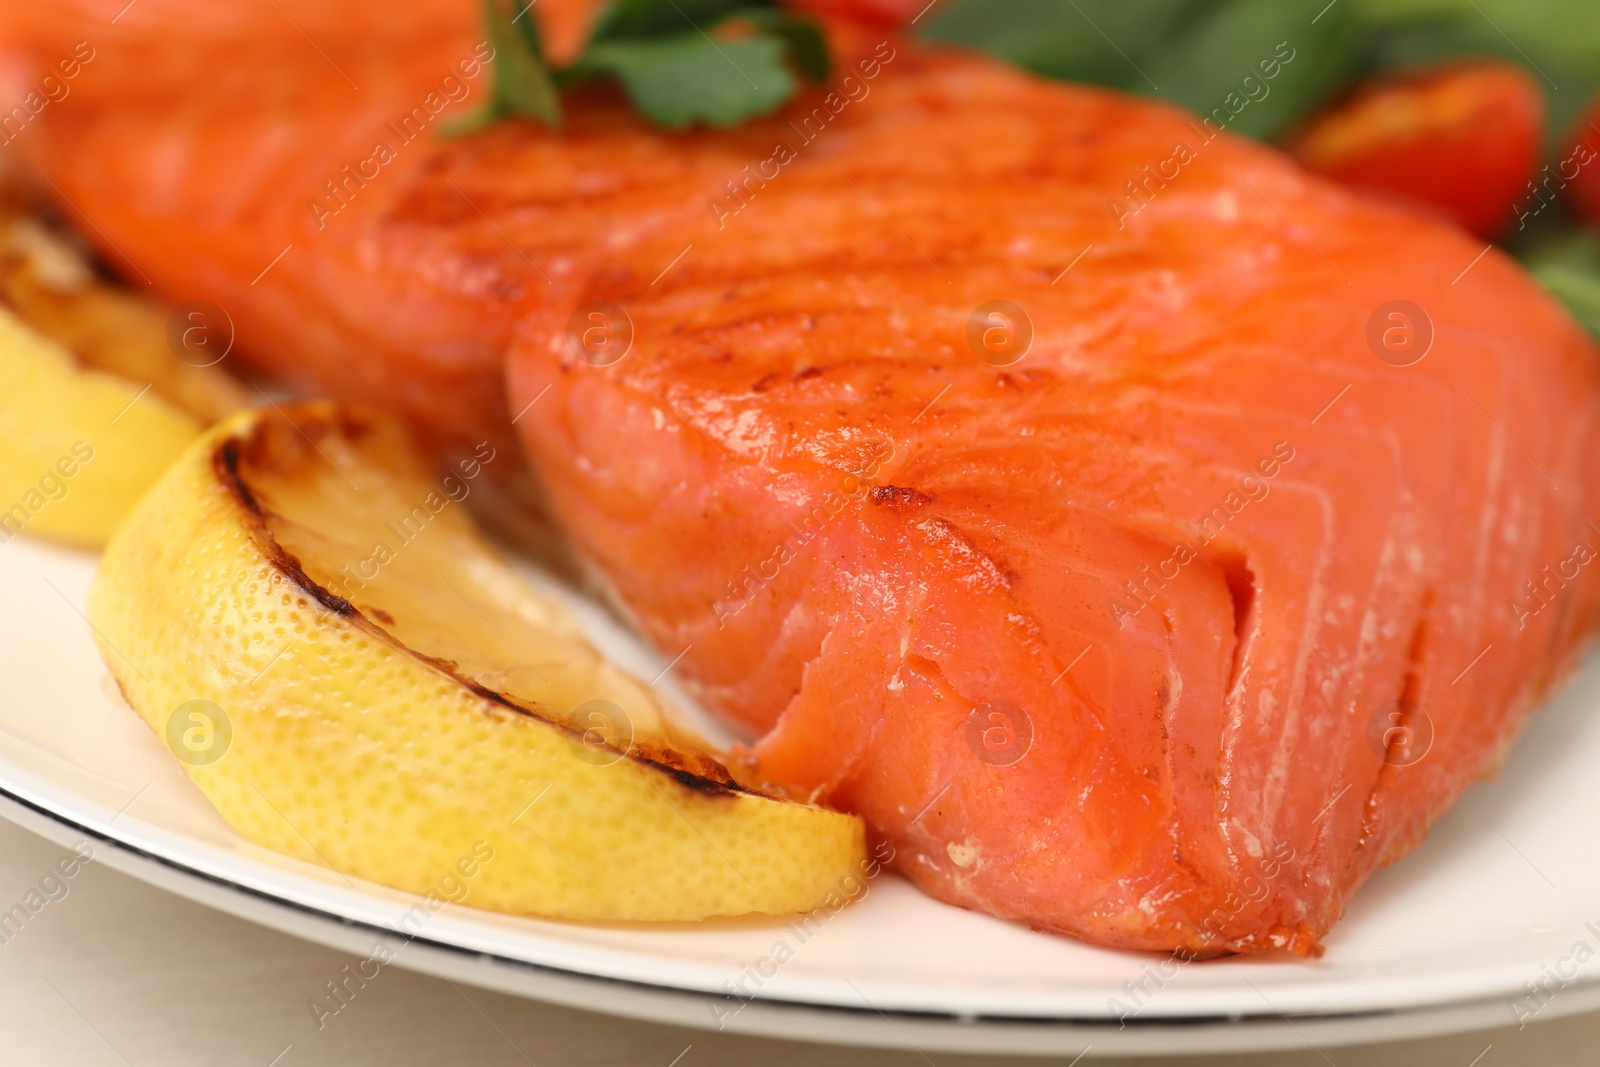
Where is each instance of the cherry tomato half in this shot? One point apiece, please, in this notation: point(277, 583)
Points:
point(1461, 140)
point(1580, 164)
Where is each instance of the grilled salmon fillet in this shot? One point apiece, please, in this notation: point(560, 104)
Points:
point(1051, 480)
point(1113, 639)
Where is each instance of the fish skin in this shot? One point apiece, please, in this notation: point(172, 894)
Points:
point(1199, 777)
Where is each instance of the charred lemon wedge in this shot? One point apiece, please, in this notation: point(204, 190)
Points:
point(77, 445)
point(303, 611)
point(49, 283)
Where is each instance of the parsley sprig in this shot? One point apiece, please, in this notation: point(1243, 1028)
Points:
point(679, 61)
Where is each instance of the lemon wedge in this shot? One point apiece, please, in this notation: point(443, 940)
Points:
point(78, 446)
point(303, 611)
point(179, 353)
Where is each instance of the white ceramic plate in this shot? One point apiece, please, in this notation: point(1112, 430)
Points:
point(1499, 896)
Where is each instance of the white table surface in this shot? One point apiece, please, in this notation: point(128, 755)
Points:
point(120, 973)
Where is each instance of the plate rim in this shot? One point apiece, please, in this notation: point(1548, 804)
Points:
point(245, 886)
point(781, 1018)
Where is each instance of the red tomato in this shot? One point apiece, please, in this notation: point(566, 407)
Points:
point(1460, 140)
point(1580, 165)
point(881, 12)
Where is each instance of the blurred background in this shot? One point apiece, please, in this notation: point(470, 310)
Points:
point(1484, 110)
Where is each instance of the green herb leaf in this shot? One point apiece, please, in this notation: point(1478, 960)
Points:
point(660, 18)
point(1556, 41)
point(1193, 52)
point(522, 83)
point(1567, 262)
point(1098, 41)
point(676, 81)
point(1579, 290)
point(666, 58)
point(1564, 32)
point(1222, 59)
point(807, 46)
